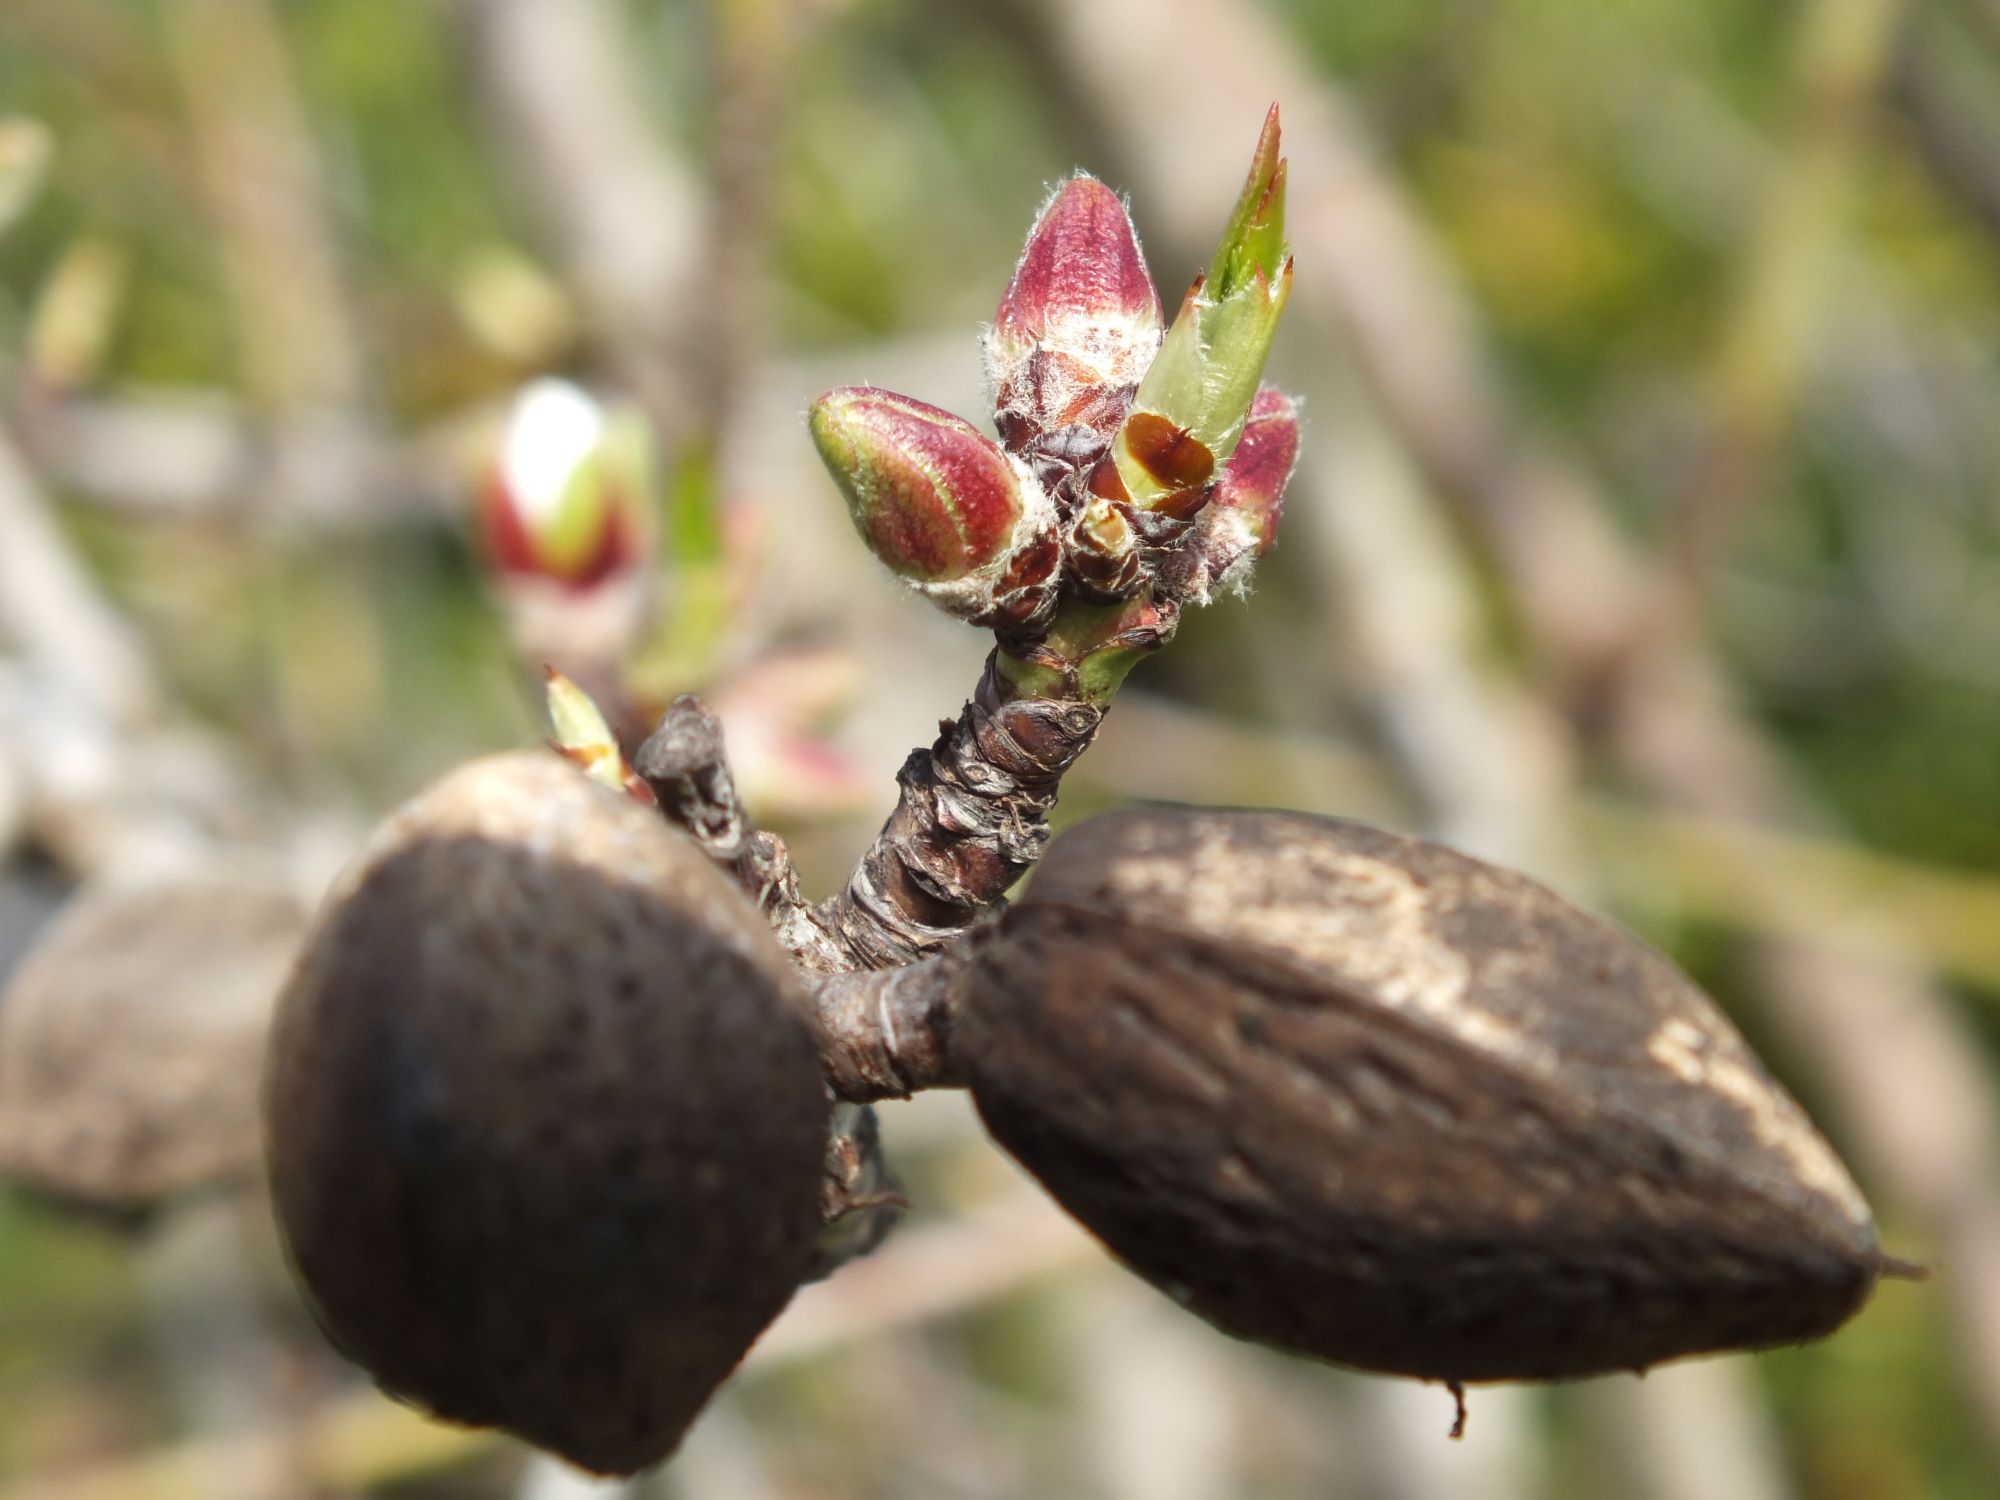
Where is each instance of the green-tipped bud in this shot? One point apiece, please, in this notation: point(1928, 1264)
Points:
point(1189, 411)
point(943, 506)
point(583, 737)
point(1254, 239)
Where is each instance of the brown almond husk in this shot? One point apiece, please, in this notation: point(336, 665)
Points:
point(545, 1115)
point(131, 1036)
point(1368, 1099)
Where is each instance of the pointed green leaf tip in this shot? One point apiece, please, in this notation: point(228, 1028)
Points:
point(1188, 413)
point(1255, 237)
point(582, 734)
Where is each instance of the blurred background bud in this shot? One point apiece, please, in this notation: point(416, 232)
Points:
point(76, 313)
point(776, 715)
point(569, 498)
point(567, 517)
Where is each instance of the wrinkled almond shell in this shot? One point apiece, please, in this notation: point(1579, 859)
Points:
point(1368, 1099)
point(130, 1037)
point(545, 1119)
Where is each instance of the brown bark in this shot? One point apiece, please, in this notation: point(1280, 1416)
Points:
point(972, 818)
point(887, 1034)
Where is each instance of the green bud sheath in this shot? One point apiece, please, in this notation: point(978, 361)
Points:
point(1189, 411)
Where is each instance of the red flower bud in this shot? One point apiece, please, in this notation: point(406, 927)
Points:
point(939, 502)
point(1082, 269)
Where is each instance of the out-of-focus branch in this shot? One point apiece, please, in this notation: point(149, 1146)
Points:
point(755, 43)
point(51, 610)
point(624, 213)
point(1956, 140)
point(1988, 14)
point(261, 177)
point(1843, 54)
point(108, 778)
point(159, 455)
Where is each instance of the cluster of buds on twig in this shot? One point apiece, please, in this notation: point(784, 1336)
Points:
point(561, 1099)
point(1122, 470)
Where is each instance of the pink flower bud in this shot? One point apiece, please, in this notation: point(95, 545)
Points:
point(1080, 321)
point(1082, 269)
point(936, 500)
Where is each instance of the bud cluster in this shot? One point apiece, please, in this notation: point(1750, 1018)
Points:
point(1117, 470)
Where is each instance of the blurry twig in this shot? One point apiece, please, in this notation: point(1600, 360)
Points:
point(1777, 883)
point(110, 779)
point(1957, 141)
point(754, 46)
point(265, 196)
point(179, 455)
point(51, 610)
point(106, 50)
point(1844, 48)
point(625, 213)
point(1156, 1394)
point(1651, 1424)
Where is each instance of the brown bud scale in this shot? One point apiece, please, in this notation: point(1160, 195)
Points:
point(1371, 1100)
